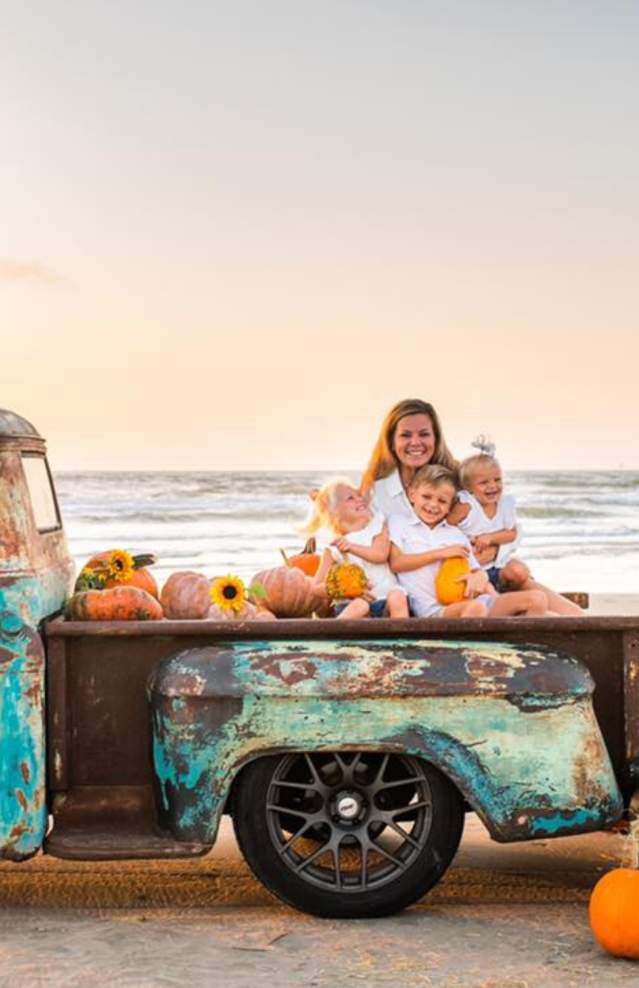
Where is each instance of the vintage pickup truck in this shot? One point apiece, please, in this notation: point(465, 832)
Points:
point(347, 753)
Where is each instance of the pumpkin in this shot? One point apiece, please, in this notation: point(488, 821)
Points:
point(94, 574)
point(289, 592)
point(186, 595)
point(346, 580)
point(249, 612)
point(308, 560)
point(614, 912)
point(116, 604)
point(448, 587)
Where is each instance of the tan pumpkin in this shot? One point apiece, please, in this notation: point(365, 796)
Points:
point(248, 612)
point(289, 593)
point(186, 596)
point(115, 604)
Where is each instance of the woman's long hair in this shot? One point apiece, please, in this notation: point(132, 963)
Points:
point(383, 460)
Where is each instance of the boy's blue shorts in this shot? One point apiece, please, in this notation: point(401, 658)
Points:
point(376, 608)
point(494, 575)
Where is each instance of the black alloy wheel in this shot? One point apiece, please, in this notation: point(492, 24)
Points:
point(347, 834)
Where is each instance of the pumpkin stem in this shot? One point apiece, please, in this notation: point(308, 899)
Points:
point(144, 559)
point(285, 558)
point(311, 546)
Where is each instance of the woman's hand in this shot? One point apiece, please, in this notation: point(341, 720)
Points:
point(482, 542)
point(454, 552)
point(484, 556)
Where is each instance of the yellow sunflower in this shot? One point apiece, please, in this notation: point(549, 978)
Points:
point(121, 566)
point(228, 592)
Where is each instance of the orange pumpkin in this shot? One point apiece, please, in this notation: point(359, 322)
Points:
point(116, 604)
point(614, 912)
point(140, 577)
point(448, 587)
point(308, 560)
point(289, 593)
point(186, 595)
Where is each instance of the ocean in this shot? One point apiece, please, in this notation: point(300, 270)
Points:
point(580, 529)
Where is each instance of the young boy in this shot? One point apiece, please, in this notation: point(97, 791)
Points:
point(420, 544)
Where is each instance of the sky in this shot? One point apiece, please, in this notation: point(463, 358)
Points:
point(232, 235)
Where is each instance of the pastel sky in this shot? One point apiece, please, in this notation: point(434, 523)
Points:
point(233, 234)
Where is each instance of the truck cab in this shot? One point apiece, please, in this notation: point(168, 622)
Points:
point(346, 752)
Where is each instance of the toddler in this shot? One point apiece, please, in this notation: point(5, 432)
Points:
point(420, 544)
point(488, 517)
point(361, 533)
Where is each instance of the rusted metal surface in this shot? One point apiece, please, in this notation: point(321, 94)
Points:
point(513, 727)
point(22, 742)
point(630, 652)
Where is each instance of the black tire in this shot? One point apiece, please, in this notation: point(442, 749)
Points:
point(347, 834)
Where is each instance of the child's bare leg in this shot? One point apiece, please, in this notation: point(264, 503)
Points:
point(515, 575)
point(357, 608)
point(529, 602)
point(466, 608)
point(397, 604)
point(555, 602)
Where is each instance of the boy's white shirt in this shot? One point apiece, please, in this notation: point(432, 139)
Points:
point(390, 498)
point(380, 577)
point(412, 535)
point(477, 522)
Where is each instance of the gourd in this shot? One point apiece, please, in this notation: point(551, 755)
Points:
point(308, 560)
point(248, 612)
point(614, 912)
point(95, 573)
point(346, 580)
point(116, 604)
point(186, 595)
point(448, 587)
point(288, 592)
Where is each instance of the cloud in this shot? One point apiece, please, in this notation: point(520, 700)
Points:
point(27, 271)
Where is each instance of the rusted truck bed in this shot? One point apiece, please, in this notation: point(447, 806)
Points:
point(99, 732)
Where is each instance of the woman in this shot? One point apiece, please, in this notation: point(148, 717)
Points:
point(410, 437)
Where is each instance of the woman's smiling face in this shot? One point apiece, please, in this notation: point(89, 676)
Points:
point(414, 441)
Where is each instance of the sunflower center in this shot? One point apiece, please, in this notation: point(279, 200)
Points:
point(229, 592)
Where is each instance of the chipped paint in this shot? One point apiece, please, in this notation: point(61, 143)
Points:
point(483, 713)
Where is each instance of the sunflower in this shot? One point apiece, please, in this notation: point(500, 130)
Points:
point(121, 566)
point(228, 592)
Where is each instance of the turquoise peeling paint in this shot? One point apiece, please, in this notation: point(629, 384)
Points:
point(498, 755)
point(22, 772)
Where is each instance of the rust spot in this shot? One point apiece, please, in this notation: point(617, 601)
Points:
point(25, 772)
point(22, 799)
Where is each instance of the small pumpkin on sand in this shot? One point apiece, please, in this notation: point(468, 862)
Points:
point(448, 586)
point(114, 604)
point(614, 912)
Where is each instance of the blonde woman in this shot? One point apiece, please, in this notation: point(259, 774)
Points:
point(410, 438)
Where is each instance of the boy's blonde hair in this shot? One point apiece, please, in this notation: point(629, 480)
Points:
point(434, 475)
point(322, 510)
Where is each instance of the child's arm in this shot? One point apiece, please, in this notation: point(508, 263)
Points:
point(488, 539)
point(325, 564)
point(457, 513)
point(377, 552)
point(405, 562)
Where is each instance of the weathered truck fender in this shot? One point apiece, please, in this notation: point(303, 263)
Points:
point(512, 726)
point(23, 813)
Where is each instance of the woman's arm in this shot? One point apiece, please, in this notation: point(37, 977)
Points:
point(405, 562)
point(457, 513)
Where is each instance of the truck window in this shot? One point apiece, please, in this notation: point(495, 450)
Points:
point(43, 501)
